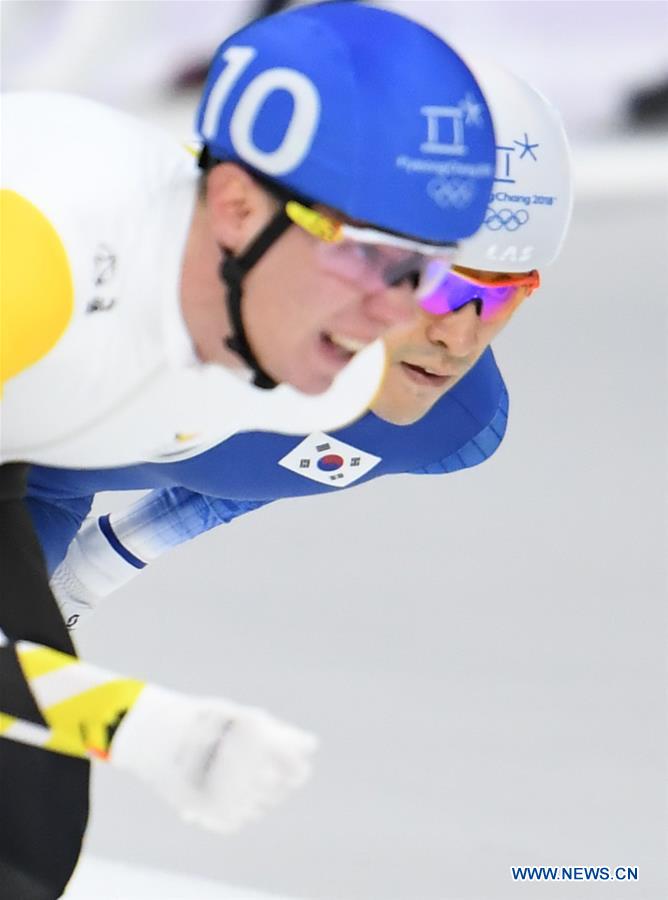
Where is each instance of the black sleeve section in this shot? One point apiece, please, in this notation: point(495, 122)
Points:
point(16, 698)
point(43, 795)
point(28, 609)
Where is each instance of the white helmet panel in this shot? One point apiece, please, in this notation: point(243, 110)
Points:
point(532, 196)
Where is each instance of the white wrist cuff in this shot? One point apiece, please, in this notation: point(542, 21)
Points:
point(97, 565)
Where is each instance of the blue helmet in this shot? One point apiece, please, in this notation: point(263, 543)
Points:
point(357, 108)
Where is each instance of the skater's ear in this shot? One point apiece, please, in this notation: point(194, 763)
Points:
point(237, 206)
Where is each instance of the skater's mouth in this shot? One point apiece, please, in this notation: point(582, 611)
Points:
point(426, 376)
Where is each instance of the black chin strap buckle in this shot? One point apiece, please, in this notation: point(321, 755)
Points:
point(261, 378)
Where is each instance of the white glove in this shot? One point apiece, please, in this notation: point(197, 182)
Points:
point(220, 764)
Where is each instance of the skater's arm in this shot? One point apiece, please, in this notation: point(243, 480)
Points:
point(111, 550)
point(476, 449)
point(56, 522)
point(219, 763)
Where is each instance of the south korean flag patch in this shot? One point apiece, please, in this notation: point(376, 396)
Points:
point(328, 461)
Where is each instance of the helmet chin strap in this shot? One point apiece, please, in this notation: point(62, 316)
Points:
point(232, 271)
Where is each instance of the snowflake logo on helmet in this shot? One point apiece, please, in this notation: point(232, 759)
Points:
point(472, 111)
point(527, 147)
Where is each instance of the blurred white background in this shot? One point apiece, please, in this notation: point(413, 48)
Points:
point(483, 655)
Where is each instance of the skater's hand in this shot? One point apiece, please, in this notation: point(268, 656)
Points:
point(253, 762)
point(219, 763)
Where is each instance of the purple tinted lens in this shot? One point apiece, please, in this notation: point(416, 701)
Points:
point(373, 266)
point(454, 292)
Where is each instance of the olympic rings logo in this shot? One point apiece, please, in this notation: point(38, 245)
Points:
point(451, 192)
point(505, 219)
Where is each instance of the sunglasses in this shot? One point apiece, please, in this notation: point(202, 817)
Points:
point(372, 259)
point(496, 299)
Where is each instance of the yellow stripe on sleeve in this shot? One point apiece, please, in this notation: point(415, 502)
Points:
point(6, 722)
point(38, 661)
point(91, 715)
point(80, 703)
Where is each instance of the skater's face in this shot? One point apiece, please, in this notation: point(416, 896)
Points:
point(304, 319)
point(306, 323)
point(430, 355)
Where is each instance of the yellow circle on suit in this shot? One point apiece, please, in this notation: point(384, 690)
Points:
point(36, 288)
